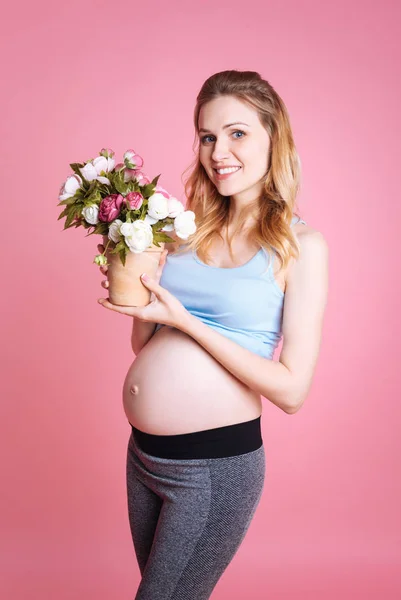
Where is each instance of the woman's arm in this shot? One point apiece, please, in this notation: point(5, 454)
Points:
point(285, 383)
point(141, 333)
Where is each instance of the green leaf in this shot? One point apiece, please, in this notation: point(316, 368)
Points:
point(69, 226)
point(70, 217)
point(119, 183)
point(90, 232)
point(155, 180)
point(95, 197)
point(121, 188)
point(64, 213)
point(71, 212)
point(162, 237)
point(104, 190)
point(144, 210)
point(76, 166)
point(121, 245)
point(122, 257)
point(69, 201)
point(148, 190)
point(101, 228)
point(92, 190)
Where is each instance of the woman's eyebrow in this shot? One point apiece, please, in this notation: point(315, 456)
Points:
point(225, 126)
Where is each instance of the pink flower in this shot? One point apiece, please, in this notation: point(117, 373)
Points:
point(129, 175)
point(110, 207)
point(162, 191)
point(132, 158)
point(141, 178)
point(107, 152)
point(134, 200)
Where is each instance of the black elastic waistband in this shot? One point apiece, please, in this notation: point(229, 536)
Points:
point(219, 442)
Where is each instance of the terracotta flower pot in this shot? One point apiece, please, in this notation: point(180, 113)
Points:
point(125, 285)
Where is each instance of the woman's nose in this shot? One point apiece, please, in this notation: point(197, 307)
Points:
point(220, 152)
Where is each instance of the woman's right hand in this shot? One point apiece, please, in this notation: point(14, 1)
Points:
point(157, 277)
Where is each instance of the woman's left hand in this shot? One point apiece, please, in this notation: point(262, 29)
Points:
point(165, 308)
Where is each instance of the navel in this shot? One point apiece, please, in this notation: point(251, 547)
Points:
point(134, 389)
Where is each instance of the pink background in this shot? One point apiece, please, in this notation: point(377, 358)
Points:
point(85, 75)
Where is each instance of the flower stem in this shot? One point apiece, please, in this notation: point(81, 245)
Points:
point(107, 245)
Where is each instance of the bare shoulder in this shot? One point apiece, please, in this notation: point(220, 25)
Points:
point(311, 241)
point(310, 236)
point(313, 247)
point(300, 229)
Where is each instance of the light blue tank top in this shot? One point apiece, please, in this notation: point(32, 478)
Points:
point(243, 303)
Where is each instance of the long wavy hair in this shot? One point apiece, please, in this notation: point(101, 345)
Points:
point(275, 206)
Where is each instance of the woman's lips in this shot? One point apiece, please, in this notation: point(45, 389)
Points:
point(226, 175)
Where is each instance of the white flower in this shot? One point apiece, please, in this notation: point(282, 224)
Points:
point(150, 220)
point(103, 179)
point(70, 186)
point(175, 207)
point(101, 163)
point(114, 230)
point(157, 207)
point(167, 227)
point(184, 224)
point(89, 171)
point(127, 229)
point(140, 238)
point(90, 214)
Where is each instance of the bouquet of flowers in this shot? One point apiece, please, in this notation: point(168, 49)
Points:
point(132, 214)
point(120, 202)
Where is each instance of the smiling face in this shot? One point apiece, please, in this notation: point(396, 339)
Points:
point(245, 144)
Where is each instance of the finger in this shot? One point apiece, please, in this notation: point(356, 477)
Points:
point(153, 286)
point(162, 262)
point(161, 259)
point(105, 284)
point(100, 247)
point(103, 269)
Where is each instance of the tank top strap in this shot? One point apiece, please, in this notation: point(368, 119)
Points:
point(295, 220)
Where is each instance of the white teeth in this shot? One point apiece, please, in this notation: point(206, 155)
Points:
point(227, 170)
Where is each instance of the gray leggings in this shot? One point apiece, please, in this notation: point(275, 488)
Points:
point(188, 518)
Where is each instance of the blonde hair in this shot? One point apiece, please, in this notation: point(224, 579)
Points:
point(275, 207)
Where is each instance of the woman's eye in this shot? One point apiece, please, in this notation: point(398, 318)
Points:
point(204, 139)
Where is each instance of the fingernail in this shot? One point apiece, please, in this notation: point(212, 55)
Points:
point(144, 276)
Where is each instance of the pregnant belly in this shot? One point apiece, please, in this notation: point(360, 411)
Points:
point(175, 386)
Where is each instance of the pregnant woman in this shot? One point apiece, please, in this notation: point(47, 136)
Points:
point(252, 272)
